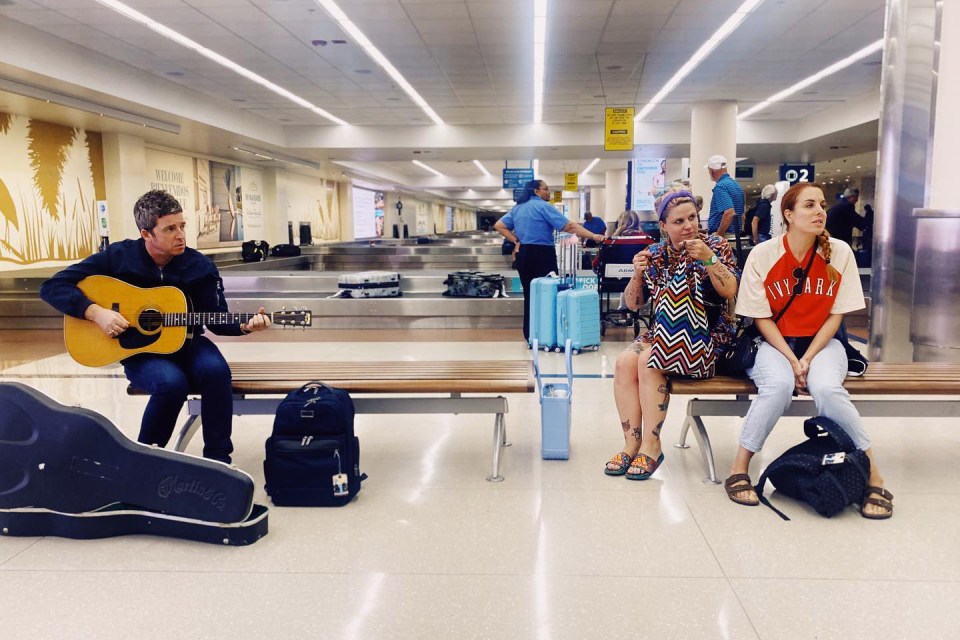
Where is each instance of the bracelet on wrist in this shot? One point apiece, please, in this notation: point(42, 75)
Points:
point(712, 260)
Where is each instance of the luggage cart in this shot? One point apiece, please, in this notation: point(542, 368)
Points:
point(614, 269)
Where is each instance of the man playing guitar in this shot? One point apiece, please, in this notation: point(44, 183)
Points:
point(160, 257)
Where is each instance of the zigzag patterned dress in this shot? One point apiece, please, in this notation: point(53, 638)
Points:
point(690, 323)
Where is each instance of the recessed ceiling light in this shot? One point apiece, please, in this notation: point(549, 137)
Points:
point(338, 41)
point(427, 167)
point(318, 43)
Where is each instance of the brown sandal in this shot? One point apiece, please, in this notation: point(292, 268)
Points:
point(885, 501)
point(732, 490)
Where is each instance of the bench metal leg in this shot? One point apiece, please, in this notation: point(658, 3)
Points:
point(187, 432)
point(706, 451)
point(682, 442)
point(499, 437)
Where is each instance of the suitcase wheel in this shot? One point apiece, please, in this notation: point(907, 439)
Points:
point(576, 352)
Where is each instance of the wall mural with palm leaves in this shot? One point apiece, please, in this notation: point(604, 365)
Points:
point(50, 179)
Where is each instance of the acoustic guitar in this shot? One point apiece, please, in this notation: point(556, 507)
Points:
point(160, 321)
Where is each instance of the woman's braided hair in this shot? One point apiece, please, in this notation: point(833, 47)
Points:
point(789, 202)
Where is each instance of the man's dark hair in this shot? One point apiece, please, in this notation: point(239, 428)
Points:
point(152, 206)
point(587, 216)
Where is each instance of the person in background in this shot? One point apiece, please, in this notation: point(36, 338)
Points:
point(639, 391)
point(843, 217)
point(800, 351)
point(160, 257)
point(726, 207)
point(530, 224)
point(760, 225)
point(595, 225)
point(628, 224)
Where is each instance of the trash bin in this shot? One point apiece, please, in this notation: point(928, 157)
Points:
point(556, 403)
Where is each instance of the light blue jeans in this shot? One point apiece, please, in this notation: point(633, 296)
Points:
point(773, 375)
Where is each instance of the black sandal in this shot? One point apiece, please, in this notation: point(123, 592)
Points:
point(885, 501)
point(732, 490)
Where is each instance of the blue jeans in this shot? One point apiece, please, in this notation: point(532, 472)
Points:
point(773, 375)
point(197, 367)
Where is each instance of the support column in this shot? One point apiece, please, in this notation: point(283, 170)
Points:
point(125, 172)
point(598, 204)
point(274, 220)
point(615, 198)
point(713, 130)
point(908, 92)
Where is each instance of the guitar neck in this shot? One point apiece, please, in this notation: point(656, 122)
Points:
point(191, 319)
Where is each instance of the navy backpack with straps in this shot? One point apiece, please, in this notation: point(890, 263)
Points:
point(827, 471)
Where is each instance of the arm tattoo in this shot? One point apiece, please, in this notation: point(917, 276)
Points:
point(721, 274)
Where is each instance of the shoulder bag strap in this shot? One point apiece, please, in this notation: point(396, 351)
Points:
point(806, 270)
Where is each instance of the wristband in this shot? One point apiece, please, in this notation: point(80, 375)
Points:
point(712, 261)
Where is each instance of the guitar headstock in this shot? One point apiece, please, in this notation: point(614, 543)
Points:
point(292, 318)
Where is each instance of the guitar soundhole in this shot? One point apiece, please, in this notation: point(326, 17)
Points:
point(150, 320)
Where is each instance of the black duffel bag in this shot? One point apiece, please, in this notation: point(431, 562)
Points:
point(313, 456)
point(254, 250)
point(285, 251)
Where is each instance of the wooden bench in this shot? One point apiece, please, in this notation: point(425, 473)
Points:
point(917, 386)
point(370, 382)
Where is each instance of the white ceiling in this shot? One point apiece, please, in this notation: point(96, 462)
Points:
point(471, 60)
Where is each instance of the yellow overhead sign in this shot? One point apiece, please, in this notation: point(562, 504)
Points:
point(557, 197)
point(618, 129)
point(571, 181)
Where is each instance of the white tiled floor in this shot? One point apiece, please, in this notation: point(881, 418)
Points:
point(558, 550)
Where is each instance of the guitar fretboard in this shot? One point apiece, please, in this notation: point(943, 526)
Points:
point(195, 318)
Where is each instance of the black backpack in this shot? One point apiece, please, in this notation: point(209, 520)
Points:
point(254, 250)
point(827, 471)
point(313, 456)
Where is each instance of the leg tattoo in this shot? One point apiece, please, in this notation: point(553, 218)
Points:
point(625, 425)
point(637, 434)
point(656, 430)
point(666, 398)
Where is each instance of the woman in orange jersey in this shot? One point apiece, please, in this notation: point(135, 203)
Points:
point(797, 287)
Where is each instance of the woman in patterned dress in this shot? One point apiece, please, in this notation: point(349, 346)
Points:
point(640, 391)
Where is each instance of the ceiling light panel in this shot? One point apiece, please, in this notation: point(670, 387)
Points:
point(359, 37)
point(223, 61)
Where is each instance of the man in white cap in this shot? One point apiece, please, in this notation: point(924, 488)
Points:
point(726, 207)
point(843, 217)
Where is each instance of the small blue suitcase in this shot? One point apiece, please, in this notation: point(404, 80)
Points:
point(578, 319)
point(555, 410)
point(543, 310)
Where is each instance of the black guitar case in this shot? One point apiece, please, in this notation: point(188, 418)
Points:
point(70, 472)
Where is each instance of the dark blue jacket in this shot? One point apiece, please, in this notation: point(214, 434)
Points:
point(191, 272)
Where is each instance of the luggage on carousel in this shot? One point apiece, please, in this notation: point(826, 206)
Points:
point(285, 251)
point(369, 284)
point(254, 250)
point(474, 284)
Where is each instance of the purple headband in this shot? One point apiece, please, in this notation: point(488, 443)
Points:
point(662, 209)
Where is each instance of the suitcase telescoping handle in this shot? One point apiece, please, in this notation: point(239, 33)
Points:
point(568, 360)
point(569, 247)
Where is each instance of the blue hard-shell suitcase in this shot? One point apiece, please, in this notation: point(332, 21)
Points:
point(543, 310)
point(578, 319)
